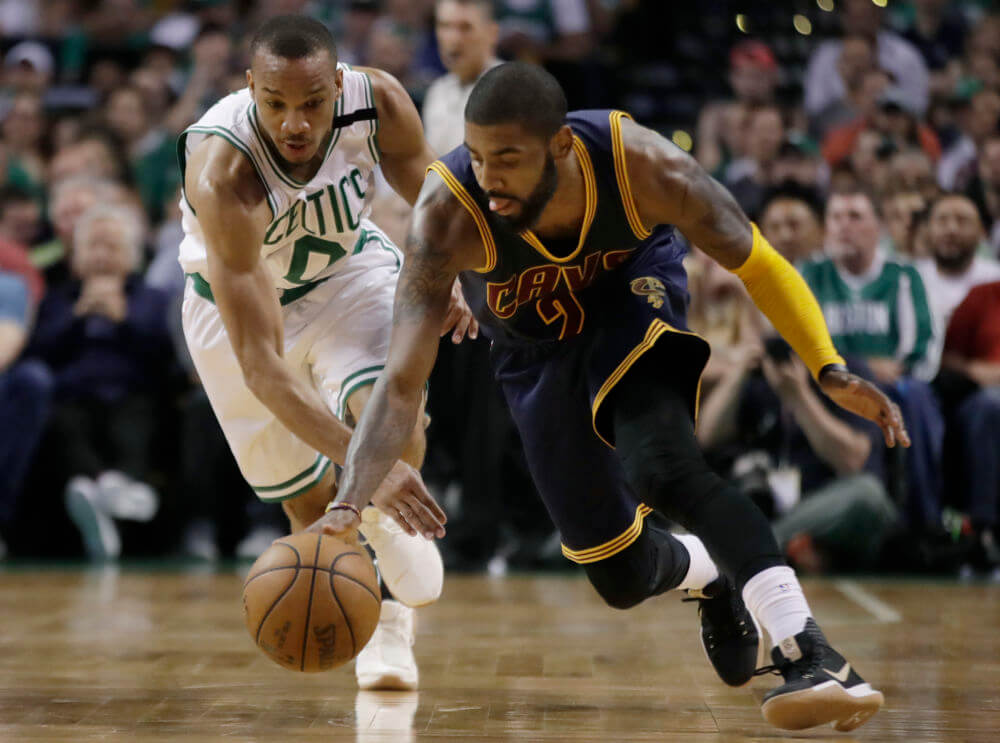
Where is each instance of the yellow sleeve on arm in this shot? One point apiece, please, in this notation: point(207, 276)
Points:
point(783, 295)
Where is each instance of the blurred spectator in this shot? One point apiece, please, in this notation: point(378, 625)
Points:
point(211, 55)
point(937, 29)
point(791, 222)
point(984, 190)
point(20, 217)
point(753, 78)
point(352, 43)
point(542, 31)
point(749, 177)
point(467, 38)
point(393, 49)
point(892, 127)
point(972, 352)
point(25, 387)
point(905, 214)
point(96, 153)
point(978, 120)
point(104, 337)
point(894, 54)
point(955, 266)
point(815, 469)
point(863, 83)
point(28, 69)
point(151, 152)
point(723, 314)
point(911, 170)
point(69, 199)
point(876, 308)
point(24, 131)
point(878, 314)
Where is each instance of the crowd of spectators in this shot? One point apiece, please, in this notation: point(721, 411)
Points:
point(863, 137)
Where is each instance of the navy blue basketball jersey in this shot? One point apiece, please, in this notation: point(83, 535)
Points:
point(527, 293)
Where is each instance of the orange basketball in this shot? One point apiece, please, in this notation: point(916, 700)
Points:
point(311, 602)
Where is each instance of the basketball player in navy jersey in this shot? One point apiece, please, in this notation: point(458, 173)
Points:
point(561, 228)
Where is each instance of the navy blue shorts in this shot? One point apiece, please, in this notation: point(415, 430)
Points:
point(561, 396)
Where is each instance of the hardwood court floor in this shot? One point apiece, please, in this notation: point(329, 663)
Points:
point(132, 655)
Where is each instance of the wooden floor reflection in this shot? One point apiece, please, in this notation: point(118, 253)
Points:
point(141, 656)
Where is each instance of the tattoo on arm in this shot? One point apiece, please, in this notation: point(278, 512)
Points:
point(425, 277)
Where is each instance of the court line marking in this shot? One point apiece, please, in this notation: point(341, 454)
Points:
point(874, 606)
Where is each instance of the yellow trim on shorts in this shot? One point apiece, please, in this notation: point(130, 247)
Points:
point(612, 546)
point(467, 201)
point(656, 328)
point(621, 173)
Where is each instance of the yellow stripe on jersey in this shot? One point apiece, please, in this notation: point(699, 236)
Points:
point(612, 546)
point(470, 206)
point(621, 173)
point(590, 210)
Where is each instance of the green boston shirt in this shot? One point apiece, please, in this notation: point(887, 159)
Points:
point(883, 313)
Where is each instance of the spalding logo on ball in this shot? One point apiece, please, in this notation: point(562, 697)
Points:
point(311, 602)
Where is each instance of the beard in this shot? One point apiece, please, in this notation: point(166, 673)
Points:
point(955, 261)
point(533, 206)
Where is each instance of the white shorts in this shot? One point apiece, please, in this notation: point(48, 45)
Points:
point(336, 339)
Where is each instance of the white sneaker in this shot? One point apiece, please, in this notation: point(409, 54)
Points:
point(100, 535)
point(125, 498)
point(387, 661)
point(410, 566)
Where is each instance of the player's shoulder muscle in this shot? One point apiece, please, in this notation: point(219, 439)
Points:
point(218, 173)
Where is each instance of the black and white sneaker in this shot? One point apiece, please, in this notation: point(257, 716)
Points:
point(820, 686)
point(729, 634)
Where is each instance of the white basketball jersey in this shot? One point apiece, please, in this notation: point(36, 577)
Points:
point(316, 227)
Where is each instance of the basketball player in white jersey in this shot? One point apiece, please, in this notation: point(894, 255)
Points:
point(288, 304)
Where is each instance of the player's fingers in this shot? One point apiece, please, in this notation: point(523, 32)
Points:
point(432, 505)
point(453, 316)
point(474, 328)
point(901, 434)
point(430, 526)
point(408, 519)
point(461, 328)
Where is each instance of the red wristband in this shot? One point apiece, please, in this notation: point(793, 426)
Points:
point(332, 506)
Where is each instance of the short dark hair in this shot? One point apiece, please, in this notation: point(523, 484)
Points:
point(858, 189)
point(521, 92)
point(793, 191)
point(293, 37)
point(11, 194)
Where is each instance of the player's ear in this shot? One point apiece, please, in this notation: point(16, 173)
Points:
point(562, 142)
point(250, 80)
point(338, 84)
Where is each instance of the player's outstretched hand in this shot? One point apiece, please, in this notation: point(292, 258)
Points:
point(459, 319)
point(404, 497)
point(853, 393)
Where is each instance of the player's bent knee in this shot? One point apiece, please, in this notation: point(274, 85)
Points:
point(619, 589)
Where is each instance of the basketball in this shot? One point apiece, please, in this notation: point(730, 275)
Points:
point(311, 602)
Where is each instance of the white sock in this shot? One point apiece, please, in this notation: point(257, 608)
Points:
point(775, 599)
point(701, 570)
